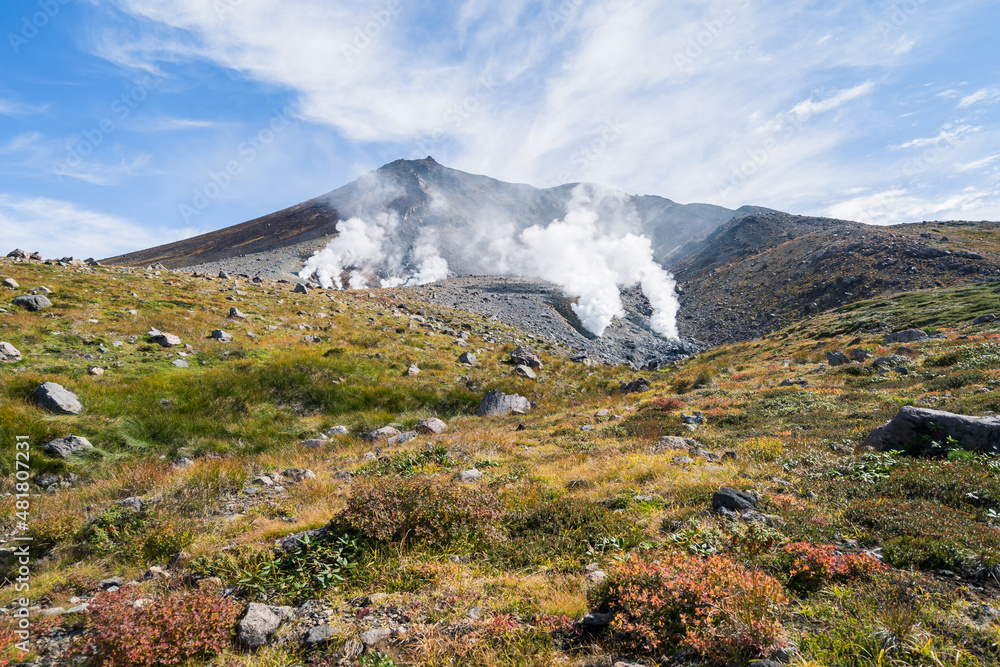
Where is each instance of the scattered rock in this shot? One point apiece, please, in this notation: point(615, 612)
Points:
point(300, 288)
point(375, 636)
point(105, 584)
point(413, 370)
point(837, 358)
point(402, 438)
point(299, 474)
point(222, 336)
point(56, 398)
point(635, 386)
point(432, 426)
point(33, 302)
point(10, 283)
point(522, 356)
point(163, 339)
point(318, 635)
point(9, 354)
point(905, 336)
point(914, 427)
point(236, 314)
point(676, 442)
point(498, 403)
point(525, 371)
point(63, 448)
point(859, 354)
point(337, 430)
point(258, 624)
point(18, 254)
point(95, 370)
point(470, 476)
point(596, 622)
point(180, 363)
point(985, 319)
point(467, 358)
point(732, 499)
point(157, 573)
point(383, 433)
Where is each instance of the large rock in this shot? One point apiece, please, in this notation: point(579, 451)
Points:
point(9, 354)
point(837, 358)
point(18, 254)
point(522, 356)
point(258, 624)
point(905, 336)
point(10, 283)
point(525, 372)
point(635, 386)
point(499, 403)
point(63, 448)
point(467, 358)
point(163, 339)
point(731, 499)
point(917, 429)
point(56, 398)
point(33, 302)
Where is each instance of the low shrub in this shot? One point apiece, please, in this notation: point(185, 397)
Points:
point(560, 532)
point(133, 536)
point(926, 534)
point(811, 566)
point(406, 464)
point(170, 630)
point(712, 605)
point(666, 404)
point(764, 449)
point(421, 510)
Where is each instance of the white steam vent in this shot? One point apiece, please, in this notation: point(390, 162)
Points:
point(590, 258)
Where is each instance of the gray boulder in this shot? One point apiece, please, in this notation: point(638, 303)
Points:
point(9, 354)
point(499, 403)
point(236, 313)
point(375, 636)
point(318, 635)
point(56, 398)
point(258, 624)
point(905, 336)
point(470, 476)
point(731, 499)
point(301, 288)
point(859, 354)
point(221, 336)
point(10, 283)
point(402, 438)
point(916, 428)
point(522, 356)
point(635, 386)
point(18, 254)
point(467, 358)
point(985, 319)
point(63, 448)
point(33, 302)
point(837, 358)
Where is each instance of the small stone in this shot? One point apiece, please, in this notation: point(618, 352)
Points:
point(432, 426)
point(105, 584)
point(905, 336)
point(522, 356)
point(337, 430)
point(467, 358)
point(133, 503)
point(383, 433)
point(180, 363)
point(95, 370)
point(53, 611)
point(157, 573)
point(402, 438)
point(9, 354)
point(10, 283)
point(312, 444)
point(318, 635)
point(222, 336)
point(470, 476)
point(64, 448)
point(163, 339)
point(375, 636)
point(235, 313)
point(258, 624)
point(526, 372)
point(596, 622)
point(413, 370)
point(837, 359)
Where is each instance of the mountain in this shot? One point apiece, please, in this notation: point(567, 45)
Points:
point(425, 197)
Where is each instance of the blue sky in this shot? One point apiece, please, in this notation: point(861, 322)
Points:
point(128, 123)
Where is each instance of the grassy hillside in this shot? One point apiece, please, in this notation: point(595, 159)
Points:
point(850, 558)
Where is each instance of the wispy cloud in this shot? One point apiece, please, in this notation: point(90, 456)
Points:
point(947, 136)
point(62, 228)
point(807, 108)
point(12, 108)
point(984, 95)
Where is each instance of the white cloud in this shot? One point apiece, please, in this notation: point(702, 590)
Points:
point(808, 108)
point(60, 228)
point(986, 95)
point(948, 136)
point(902, 205)
point(976, 165)
point(11, 108)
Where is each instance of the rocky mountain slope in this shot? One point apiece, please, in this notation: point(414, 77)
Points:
point(424, 194)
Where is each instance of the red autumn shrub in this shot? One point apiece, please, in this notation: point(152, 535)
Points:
point(666, 404)
point(810, 566)
point(170, 630)
point(713, 605)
